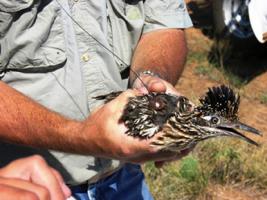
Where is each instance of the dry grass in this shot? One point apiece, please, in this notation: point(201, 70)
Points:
point(219, 161)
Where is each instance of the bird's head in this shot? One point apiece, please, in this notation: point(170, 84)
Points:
point(217, 115)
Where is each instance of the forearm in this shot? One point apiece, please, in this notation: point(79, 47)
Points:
point(163, 52)
point(26, 122)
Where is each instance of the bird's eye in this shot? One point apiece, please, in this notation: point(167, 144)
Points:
point(214, 120)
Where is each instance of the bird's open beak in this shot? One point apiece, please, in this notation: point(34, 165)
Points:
point(231, 130)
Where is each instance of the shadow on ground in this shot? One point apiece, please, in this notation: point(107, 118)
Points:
point(245, 59)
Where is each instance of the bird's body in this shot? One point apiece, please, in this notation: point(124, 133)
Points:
point(146, 115)
point(181, 123)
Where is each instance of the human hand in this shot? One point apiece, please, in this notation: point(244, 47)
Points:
point(111, 140)
point(156, 84)
point(153, 84)
point(32, 179)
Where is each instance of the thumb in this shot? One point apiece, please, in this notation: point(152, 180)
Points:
point(156, 85)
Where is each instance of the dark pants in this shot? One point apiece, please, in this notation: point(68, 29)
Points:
point(126, 184)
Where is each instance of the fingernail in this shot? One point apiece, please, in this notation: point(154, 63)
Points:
point(66, 190)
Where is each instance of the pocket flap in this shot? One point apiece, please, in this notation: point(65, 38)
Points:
point(14, 5)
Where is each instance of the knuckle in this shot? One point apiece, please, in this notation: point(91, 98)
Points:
point(26, 195)
point(38, 160)
point(107, 109)
point(124, 152)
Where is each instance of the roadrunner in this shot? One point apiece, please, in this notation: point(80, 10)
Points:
point(183, 124)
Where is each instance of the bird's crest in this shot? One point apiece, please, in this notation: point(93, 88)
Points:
point(222, 100)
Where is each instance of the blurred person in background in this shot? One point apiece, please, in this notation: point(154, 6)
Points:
point(31, 179)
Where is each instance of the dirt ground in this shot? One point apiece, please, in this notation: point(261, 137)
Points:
point(217, 192)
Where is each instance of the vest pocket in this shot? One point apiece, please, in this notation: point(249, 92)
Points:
point(32, 40)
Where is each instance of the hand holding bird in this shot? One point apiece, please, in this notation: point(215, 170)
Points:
point(182, 127)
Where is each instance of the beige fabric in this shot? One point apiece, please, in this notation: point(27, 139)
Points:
point(48, 57)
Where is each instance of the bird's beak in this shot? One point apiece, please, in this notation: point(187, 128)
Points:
point(230, 129)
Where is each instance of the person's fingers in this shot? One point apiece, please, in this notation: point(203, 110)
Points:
point(130, 93)
point(178, 156)
point(40, 192)
point(66, 190)
point(8, 192)
point(155, 156)
point(156, 85)
point(149, 84)
point(35, 170)
point(122, 99)
point(43, 175)
point(143, 90)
